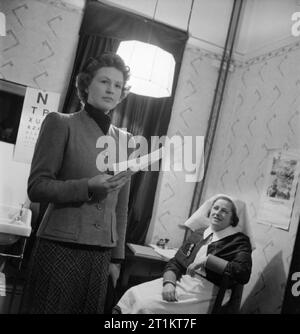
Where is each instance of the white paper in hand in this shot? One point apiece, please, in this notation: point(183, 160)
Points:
point(139, 163)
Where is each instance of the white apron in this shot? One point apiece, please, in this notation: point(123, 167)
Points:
point(195, 296)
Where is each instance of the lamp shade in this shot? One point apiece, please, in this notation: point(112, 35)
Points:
point(151, 68)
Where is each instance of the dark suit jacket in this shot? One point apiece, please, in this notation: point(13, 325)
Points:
point(64, 159)
point(236, 249)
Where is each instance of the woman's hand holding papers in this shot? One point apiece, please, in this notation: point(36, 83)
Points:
point(102, 184)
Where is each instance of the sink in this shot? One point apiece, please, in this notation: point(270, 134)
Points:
point(13, 225)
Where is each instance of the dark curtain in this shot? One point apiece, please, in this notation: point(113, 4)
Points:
point(143, 116)
point(103, 28)
point(88, 46)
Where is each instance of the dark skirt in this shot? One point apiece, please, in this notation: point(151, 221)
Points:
point(66, 278)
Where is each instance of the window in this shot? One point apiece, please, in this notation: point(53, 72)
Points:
point(151, 68)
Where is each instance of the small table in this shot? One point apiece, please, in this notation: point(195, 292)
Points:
point(145, 266)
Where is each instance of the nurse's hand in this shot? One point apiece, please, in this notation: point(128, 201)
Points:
point(102, 184)
point(196, 267)
point(169, 293)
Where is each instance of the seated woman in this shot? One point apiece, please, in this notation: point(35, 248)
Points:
point(186, 286)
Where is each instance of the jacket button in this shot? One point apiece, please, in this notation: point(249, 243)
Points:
point(99, 207)
point(97, 225)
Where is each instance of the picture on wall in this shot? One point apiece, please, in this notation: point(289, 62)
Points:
point(281, 177)
point(278, 197)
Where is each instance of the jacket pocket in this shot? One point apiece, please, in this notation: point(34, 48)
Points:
point(63, 224)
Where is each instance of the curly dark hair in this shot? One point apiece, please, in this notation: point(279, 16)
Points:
point(107, 59)
point(234, 218)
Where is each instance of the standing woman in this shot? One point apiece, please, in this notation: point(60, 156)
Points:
point(84, 226)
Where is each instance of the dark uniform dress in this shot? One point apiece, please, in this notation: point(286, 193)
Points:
point(195, 295)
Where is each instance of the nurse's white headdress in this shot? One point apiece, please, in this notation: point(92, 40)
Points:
point(200, 217)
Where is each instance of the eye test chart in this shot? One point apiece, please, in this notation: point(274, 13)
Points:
point(37, 105)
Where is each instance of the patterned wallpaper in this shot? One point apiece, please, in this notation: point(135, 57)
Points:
point(260, 113)
point(189, 117)
point(40, 45)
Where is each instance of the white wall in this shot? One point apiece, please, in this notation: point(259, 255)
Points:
point(191, 108)
point(262, 92)
point(206, 21)
point(38, 52)
point(13, 176)
point(40, 45)
point(266, 24)
point(260, 113)
point(172, 12)
point(209, 23)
